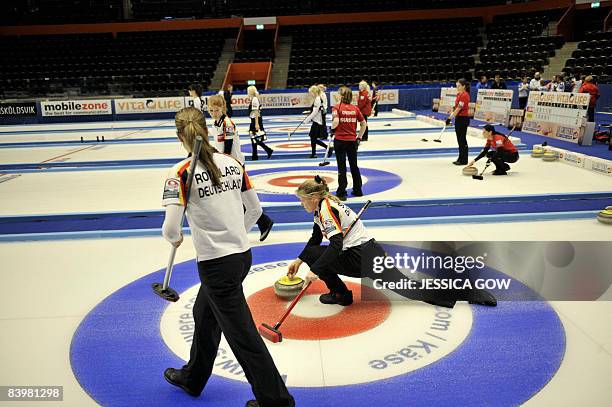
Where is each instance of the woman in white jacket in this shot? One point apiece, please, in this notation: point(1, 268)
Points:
point(318, 130)
point(219, 223)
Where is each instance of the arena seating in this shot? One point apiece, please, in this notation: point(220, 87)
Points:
point(16, 12)
point(146, 63)
point(13, 12)
point(391, 53)
point(160, 9)
point(593, 57)
point(258, 46)
point(516, 45)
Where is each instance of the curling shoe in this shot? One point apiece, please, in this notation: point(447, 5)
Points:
point(337, 298)
point(482, 297)
point(178, 378)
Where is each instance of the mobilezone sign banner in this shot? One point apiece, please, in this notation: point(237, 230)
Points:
point(76, 107)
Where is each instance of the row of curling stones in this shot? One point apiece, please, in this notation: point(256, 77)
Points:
point(97, 139)
point(288, 288)
point(545, 154)
point(605, 216)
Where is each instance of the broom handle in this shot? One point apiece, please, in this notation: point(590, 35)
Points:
point(295, 300)
point(294, 130)
point(194, 159)
point(328, 147)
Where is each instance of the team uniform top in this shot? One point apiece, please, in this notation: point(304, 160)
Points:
point(225, 139)
point(254, 107)
point(199, 104)
point(216, 216)
point(592, 90)
point(463, 101)
point(331, 220)
point(499, 143)
point(348, 117)
point(364, 102)
point(334, 218)
point(316, 114)
point(324, 99)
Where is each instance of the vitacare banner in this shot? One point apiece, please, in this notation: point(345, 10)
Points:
point(149, 105)
point(387, 97)
point(447, 100)
point(557, 115)
point(76, 107)
point(493, 105)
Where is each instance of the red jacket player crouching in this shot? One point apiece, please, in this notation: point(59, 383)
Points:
point(503, 150)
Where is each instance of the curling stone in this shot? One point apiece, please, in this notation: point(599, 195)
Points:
point(287, 288)
point(605, 216)
point(537, 152)
point(550, 156)
point(469, 170)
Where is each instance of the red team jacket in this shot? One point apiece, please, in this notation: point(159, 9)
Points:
point(364, 103)
point(592, 90)
point(500, 142)
point(465, 98)
point(348, 116)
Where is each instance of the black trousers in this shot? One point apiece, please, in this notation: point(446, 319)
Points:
point(461, 125)
point(591, 114)
point(365, 135)
point(523, 102)
point(317, 132)
point(347, 264)
point(354, 262)
point(221, 307)
point(254, 142)
point(500, 157)
point(343, 150)
point(374, 109)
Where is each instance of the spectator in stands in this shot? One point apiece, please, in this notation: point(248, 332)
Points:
point(462, 121)
point(543, 87)
point(375, 98)
point(578, 84)
point(346, 140)
point(556, 85)
point(498, 83)
point(195, 91)
point(365, 105)
point(257, 139)
point(483, 84)
point(560, 85)
point(534, 84)
point(318, 129)
point(591, 88)
point(523, 93)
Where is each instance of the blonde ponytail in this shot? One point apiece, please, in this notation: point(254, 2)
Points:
point(190, 123)
point(315, 188)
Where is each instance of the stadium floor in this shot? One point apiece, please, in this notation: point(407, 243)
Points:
point(78, 311)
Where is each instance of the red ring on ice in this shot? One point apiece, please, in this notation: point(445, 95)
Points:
point(293, 145)
point(352, 320)
point(294, 181)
